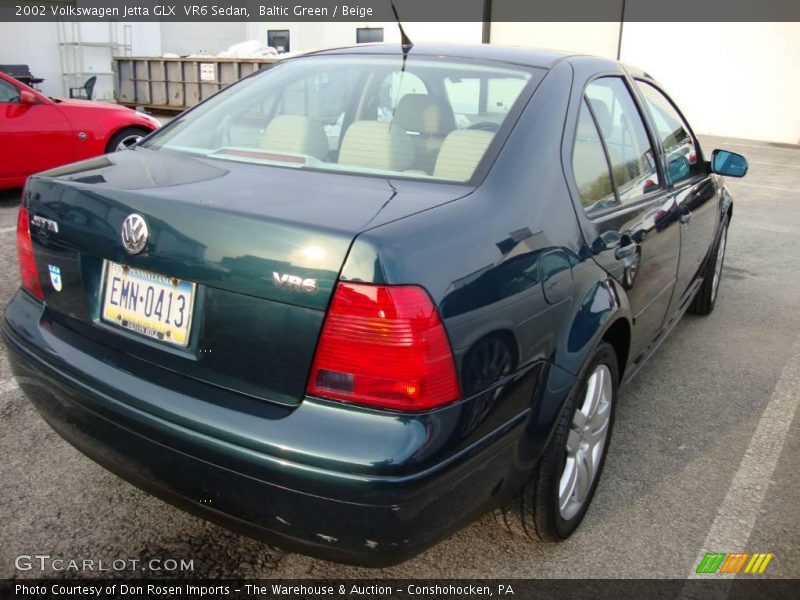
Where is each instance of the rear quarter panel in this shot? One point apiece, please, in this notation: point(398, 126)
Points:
point(508, 260)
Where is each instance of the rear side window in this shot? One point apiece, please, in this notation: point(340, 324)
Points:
point(633, 164)
point(679, 145)
point(589, 165)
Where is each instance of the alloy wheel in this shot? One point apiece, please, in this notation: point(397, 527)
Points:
point(128, 141)
point(585, 442)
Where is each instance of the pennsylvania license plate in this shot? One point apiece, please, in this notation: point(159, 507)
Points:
point(150, 304)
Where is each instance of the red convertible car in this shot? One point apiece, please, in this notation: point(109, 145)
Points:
point(38, 133)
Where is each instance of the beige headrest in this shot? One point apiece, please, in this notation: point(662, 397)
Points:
point(377, 145)
point(461, 152)
point(296, 134)
point(421, 113)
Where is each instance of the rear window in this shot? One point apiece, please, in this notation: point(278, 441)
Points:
point(420, 118)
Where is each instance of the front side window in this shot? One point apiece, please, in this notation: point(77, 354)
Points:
point(368, 114)
point(501, 92)
point(482, 100)
point(464, 95)
point(633, 164)
point(679, 145)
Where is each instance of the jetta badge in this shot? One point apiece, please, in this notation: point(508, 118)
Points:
point(134, 233)
point(45, 223)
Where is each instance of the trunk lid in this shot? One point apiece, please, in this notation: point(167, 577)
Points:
point(250, 237)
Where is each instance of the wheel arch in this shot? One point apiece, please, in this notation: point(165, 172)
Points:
point(603, 315)
point(121, 127)
point(726, 201)
point(618, 334)
point(502, 333)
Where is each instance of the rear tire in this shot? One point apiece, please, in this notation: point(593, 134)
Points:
point(553, 503)
point(706, 297)
point(125, 138)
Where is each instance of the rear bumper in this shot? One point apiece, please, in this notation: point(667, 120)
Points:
point(419, 487)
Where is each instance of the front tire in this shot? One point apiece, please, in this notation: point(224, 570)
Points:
point(706, 297)
point(125, 138)
point(553, 503)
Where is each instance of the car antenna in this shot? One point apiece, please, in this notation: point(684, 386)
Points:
point(405, 41)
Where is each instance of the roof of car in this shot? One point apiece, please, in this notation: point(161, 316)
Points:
point(524, 56)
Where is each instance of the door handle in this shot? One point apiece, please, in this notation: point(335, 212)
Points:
point(626, 249)
point(628, 253)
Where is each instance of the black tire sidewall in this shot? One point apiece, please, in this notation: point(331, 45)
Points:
point(118, 136)
point(723, 238)
point(705, 299)
point(603, 354)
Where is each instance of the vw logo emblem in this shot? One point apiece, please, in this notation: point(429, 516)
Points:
point(134, 233)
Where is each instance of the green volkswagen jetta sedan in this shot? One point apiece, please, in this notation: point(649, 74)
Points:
point(357, 299)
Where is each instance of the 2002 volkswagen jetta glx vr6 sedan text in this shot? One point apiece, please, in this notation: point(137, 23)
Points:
point(355, 300)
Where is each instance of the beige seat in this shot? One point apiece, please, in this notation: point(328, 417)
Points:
point(376, 145)
point(296, 134)
point(460, 154)
point(428, 120)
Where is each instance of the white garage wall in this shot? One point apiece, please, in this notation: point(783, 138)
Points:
point(598, 39)
point(146, 39)
point(96, 59)
point(42, 56)
point(306, 36)
point(194, 38)
point(455, 33)
point(732, 79)
point(317, 36)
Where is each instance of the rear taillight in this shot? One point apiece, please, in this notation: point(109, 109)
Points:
point(27, 264)
point(384, 346)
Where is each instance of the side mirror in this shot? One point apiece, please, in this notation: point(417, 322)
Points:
point(26, 97)
point(725, 162)
point(678, 168)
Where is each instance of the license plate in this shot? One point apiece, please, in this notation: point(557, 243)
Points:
point(150, 304)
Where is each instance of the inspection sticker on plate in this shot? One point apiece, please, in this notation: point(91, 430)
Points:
point(150, 304)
